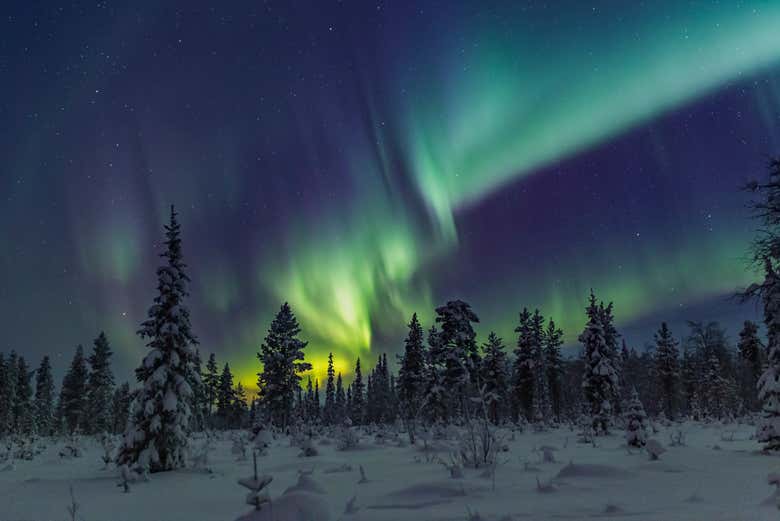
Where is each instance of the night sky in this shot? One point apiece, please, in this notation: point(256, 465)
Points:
point(366, 160)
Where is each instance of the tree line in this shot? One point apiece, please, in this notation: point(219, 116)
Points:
point(89, 402)
point(444, 375)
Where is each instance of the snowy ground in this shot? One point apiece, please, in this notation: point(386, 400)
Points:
point(719, 475)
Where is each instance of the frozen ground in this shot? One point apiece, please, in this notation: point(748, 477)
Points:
point(719, 475)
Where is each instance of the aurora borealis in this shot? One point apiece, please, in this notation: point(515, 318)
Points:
point(366, 160)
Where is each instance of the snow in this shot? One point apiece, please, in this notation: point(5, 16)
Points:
point(606, 481)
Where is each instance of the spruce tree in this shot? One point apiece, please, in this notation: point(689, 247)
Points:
point(667, 369)
point(310, 414)
point(120, 408)
point(458, 350)
point(600, 380)
point(24, 417)
point(541, 403)
point(689, 375)
point(13, 377)
point(317, 413)
point(211, 383)
point(751, 354)
point(239, 406)
point(341, 401)
point(553, 340)
point(636, 422)
point(283, 361)
point(73, 393)
point(156, 434)
point(411, 373)
point(329, 412)
point(225, 398)
point(436, 395)
point(611, 336)
point(494, 377)
point(392, 400)
point(766, 254)
point(199, 395)
point(357, 411)
point(100, 387)
point(523, 380)
point(348, 403)
point(7, 392)
point(44, 398)
point(714, 390)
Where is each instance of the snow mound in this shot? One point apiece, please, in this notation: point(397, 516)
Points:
point(589, 470)
point(435, 490)
point(293, 506)
point(340, 468)
point(305, 484)
point(694, 498)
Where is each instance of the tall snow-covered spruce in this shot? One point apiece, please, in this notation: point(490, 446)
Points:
point(495, 377)
point(769, 383)
point(44, 398)
point(751, 354)
point(283, 362)
point(667, 367)
point(600, 381)
point(766, 254)
point(100, 387)
point(156, 434)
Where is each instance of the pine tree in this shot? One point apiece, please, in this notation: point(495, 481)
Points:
point(553, 340)
point(24, 418)
point(283, 361)
point(225, 398)
point(600, 380)
point(636, 422)
point(495, 377)
point(120, 408)
point(667, 369)
point(329, 412)
point(751, 354)
point(357, 411)
point(73, 393)
point(156, 435)
point(211, 383)
point(523, 381)
point(44, 398)
point(411, 374)
point(100, 387)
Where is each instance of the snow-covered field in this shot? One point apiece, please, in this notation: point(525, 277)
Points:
point(718, 475)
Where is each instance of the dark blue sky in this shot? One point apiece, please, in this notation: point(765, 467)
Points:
point(365, 160)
